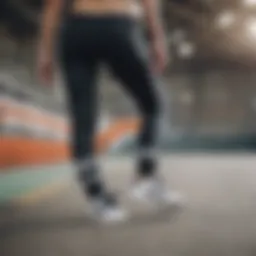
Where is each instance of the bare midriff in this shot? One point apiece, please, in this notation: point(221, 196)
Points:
point(102, 7)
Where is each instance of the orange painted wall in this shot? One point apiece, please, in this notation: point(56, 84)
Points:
point(15, 151)
point(18, 151)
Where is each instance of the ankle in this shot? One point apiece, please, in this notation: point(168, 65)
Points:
point(147, 167)
point(94, 190)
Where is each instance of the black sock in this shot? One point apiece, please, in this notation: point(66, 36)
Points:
point(147, 167)
point(91, 181)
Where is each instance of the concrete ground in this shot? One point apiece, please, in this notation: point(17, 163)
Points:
point(219, 217)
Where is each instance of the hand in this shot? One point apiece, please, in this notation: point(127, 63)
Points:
point(45, 69)
point(160, 55)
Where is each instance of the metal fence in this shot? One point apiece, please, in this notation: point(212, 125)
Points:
point(213, 103)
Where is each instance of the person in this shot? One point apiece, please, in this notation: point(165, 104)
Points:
point(108, 31)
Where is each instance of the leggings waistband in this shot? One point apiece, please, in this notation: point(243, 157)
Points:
point(101, 18)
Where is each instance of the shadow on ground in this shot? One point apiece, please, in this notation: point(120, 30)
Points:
point(10, 228)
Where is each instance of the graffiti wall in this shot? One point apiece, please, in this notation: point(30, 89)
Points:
point(30, 135)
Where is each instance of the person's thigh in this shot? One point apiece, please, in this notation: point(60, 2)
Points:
point(79, 66)
point(129, 61)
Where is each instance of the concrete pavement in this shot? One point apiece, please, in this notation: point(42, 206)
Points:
point(219, 217)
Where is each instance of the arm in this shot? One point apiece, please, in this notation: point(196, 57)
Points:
point(153, 19)
point(156, 33)
point(49, 26)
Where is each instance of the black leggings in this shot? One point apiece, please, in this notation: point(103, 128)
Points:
point(118, 42)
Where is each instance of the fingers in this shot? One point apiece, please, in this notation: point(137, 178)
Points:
point(159, 63)
point(159, 56)
point(45, 73)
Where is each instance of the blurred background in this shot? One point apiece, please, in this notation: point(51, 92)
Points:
point(210, 83)
point(211, 93)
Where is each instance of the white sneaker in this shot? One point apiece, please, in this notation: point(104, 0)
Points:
point(152, 191)
point(107, 212)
